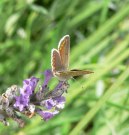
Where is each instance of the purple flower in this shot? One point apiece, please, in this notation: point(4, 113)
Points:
point(29, 86)
point(46, 115)
point(26, 91)
point(60, 102)
point(48, 75)
point(33, 81)
point(59, 90)
point(59, 86)
point(49, 103)
point(60, 99)
point(21, 102)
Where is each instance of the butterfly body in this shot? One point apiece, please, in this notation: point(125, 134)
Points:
point(60, 61)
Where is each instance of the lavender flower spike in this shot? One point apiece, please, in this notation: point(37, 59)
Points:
point(46, 115)
point(22, 101)
point(29, 86)
point(31, 99)
point(48, 75)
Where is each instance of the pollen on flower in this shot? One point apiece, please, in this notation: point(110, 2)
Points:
point(32, 98)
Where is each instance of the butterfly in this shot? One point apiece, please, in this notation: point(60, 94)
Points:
point(60, 61)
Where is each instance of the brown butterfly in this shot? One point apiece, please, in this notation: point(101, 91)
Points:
point(60, 61)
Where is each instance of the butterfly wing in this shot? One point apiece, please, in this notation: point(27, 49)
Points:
point(76, 72)
point(64, 51)
point(55, 61)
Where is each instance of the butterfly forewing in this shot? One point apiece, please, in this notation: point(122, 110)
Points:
point(64, 51)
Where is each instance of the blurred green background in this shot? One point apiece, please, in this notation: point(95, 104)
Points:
point(97, 104)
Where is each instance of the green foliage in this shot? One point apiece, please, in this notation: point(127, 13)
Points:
point(99, 31)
